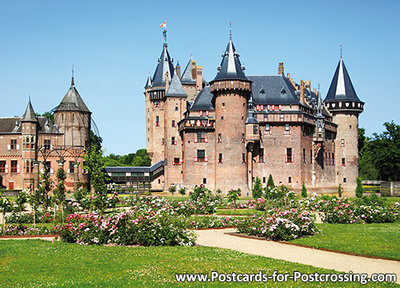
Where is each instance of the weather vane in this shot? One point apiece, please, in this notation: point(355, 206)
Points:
point(341, 50)
point(230, 30)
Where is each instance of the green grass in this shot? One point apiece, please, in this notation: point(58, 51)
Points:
point(392, 200)
point(380, 240)
point(35, 263)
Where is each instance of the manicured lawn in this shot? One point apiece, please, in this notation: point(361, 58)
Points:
point(369, 239)
point(392, 200)
point(35, 263)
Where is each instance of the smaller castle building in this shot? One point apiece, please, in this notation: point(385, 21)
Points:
point(30, 144)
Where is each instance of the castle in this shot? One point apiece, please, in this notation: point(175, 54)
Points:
point(224, 133)
point(31, 143)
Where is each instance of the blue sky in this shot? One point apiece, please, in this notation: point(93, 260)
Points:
point(115, 44)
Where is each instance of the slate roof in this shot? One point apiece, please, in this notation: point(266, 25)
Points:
point(175, 89)
point(164, 65)
point(13, 125)
point(148, 82)
point(341, 88)
point(72, 101)
point(186, 77)
point(29, 115)
point(273, 90)
point(230, 68)
point(203, 101)
point(138, 169)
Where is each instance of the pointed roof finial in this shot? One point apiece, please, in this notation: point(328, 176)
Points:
point(230, 30)
point(341, 50)
point(73, 75)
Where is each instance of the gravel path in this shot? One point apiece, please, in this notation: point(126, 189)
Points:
point(308, 256)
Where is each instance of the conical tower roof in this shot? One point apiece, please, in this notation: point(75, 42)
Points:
point(175, 89)
point(187, 77)
point(230, 68)
point(29, 115)
point(72, 101)
point(148, 82)
point(341, 88)
point(164, 65)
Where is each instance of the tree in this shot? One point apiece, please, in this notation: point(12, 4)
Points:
point(233, 196)
point(270, 182)
point(383, 153)
point(59, 192)
point(257, 188)
point(94, 166)
point(340, 190)
point(5, 205)
point(303, 190)
point(359, 188)
point(22, 197)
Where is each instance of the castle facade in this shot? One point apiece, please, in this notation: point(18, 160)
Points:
point(224, 133)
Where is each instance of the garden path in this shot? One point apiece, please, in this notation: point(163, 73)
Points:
point(309, 256)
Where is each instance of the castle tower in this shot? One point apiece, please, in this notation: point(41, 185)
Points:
point(252, 138)
point(29, 124)
point(345, 106)
point(73, 118)
point(155, 100)
point(231, 90)
point(175, 105)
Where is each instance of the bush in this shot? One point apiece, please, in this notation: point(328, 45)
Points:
point(182, 191)
point(270, 182)
point(359, 188)
point(340, 190)
point(303, 190)
point(257, 188)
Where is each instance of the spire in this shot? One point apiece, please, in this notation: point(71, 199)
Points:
point(29, 115)
point(250, 113)
point(164, 65)
point(230, 68)
point(175, 89)
point(72, 79)
point(148, 83)
point(187, 76)
point(341, 88)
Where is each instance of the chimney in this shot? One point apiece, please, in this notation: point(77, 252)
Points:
point(193, 70)
point(199, 78)
point(308, 85)
point(178, 71)
point(302, 98)
point(281, 69)
point(166, 82)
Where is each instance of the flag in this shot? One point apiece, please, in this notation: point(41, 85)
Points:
point(163, 24)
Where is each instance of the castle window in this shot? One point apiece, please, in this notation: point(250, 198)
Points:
point(163, 141)
point(311, 160)
point(71, 167)
point(349, 126)
point(243, 139)
point(173, 142)
point(29, 166)
point(176, 108)
point(255, 129)
point(204, 180)
point(343, 161)
point(264, 179)
point(287, 130)
point(176, 161)
point(201, 156)
point(157, 121)
point(2, 166)
point(14, 166)
point(73, 117)
point(304, 155)
point(47, 145)
point(62, 118)
point(333, 158)
point(222, 117)
point(342, 143)
point(220, 158)
point(13, 144)
point(289, 156)
point(261, 156)
point(219, 138)
point(344, 180)
point(223, 104)
point(290, 180)
point(243, 157)
point(267, 129)
point(173, 123)
point(201, 137)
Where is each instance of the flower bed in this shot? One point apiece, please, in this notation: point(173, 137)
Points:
point(202, 222)
point(146, 228)
point(23, 230)
point(282, 225)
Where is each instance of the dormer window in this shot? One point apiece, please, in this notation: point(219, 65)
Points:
point(283, 91)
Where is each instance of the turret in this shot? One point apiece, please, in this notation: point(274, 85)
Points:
point(345, 107)
point(231, 90)
point(252, 125)
point(73, 118)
